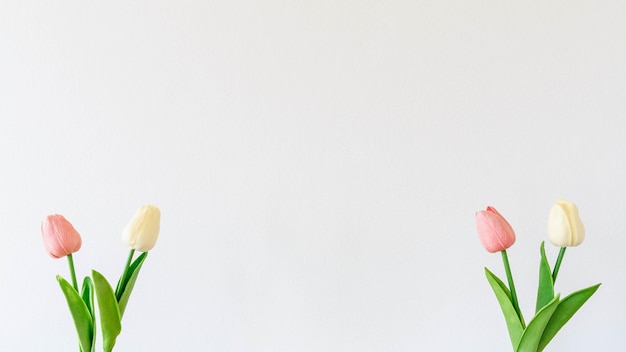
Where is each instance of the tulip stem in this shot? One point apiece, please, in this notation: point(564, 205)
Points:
point(130, 259)
point(123, 279)
point(557, 265)
point(509, 277)
point(72, 271)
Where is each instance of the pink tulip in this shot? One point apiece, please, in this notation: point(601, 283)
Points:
point(495, 233)
point(59, 236)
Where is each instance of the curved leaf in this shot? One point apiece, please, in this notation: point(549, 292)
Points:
point(87, 296)
point(566, 309)
point(545, 289)
point(503, 295)
point(83, 320)
point(130, 282)
point(110, 319)
point(534, 330)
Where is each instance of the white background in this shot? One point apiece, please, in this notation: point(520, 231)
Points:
point(318, 165)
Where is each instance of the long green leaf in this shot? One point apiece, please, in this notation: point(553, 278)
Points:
point(503, 295)
point(545, 289)
point(534, 330)
point(566, 309)
point(123, 281)
point(87, 297)
point(83, 321)
point(110, 318)
point(130, 283)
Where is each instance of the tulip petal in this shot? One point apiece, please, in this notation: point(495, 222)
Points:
point(503, 295)
point(110, 318)
point(559, 232)
point(83, 320)
point(127, 287)
point(534, 330)
point(575, 224)
point(566, 309)
point(545, 290)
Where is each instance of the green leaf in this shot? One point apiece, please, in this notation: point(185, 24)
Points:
point(545, 290)
point(123, 281)
point(110, 318)
point(566, 309)
point(534, 330)
point(87, 297)
point(513, 322)
point(83, 320)
point(130, 283)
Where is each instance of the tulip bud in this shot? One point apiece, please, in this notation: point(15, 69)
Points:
point(495, 233)
point(565, 229)
point(59, 236)
point(142, 231)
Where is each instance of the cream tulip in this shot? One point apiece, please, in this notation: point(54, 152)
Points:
point(565, 229)
point(142, 231)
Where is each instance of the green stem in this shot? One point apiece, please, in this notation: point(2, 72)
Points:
point(123, 279)
point(509, 277)
point(557, 265)
point(72, 271)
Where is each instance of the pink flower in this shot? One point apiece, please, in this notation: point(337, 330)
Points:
point(495, 233)
point(59, 236)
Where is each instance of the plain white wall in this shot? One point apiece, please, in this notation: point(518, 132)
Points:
point(317, 163)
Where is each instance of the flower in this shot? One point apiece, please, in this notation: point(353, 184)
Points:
point(142, 231)
point(59, 236)
point(565, 229)
point(495, 233)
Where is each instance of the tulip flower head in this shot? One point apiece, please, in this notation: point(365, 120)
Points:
point(142, 231)
point(495, 233)
point(59, 236)
point(565, 229)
